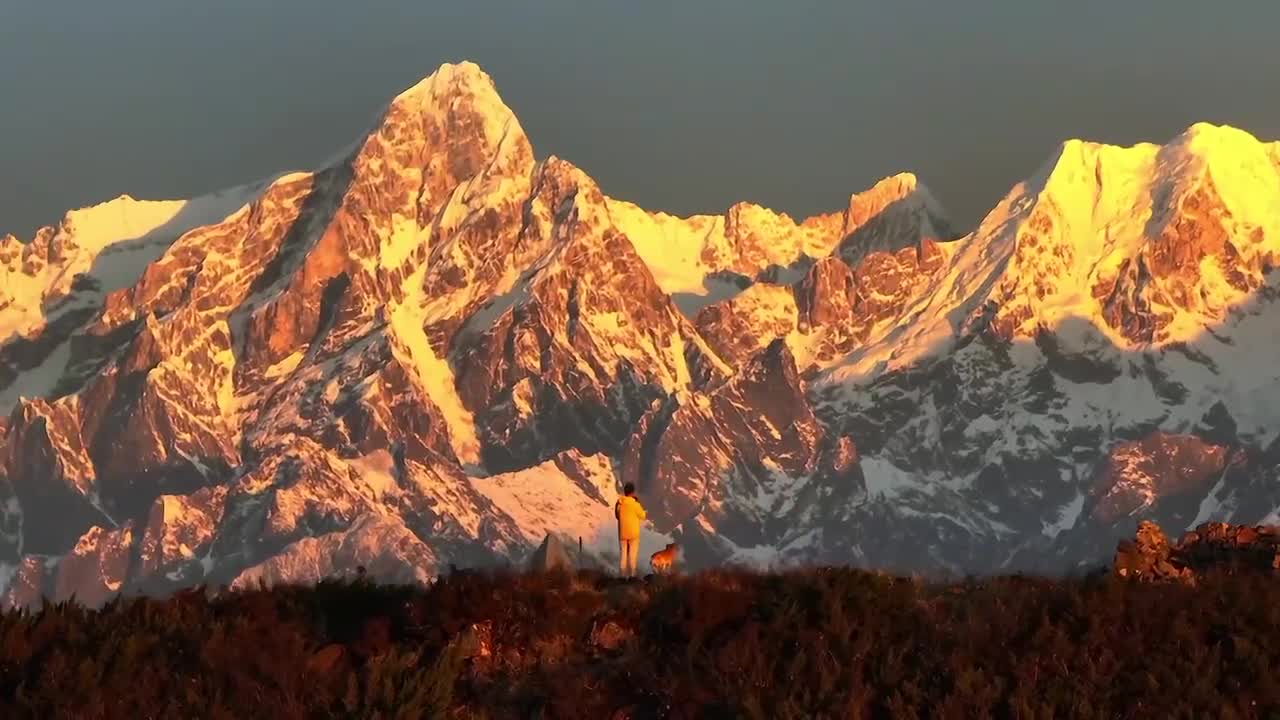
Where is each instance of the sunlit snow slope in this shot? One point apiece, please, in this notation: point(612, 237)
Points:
point(440, 348)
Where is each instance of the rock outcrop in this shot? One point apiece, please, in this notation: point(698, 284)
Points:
point(550, 557)
point(1210, 547)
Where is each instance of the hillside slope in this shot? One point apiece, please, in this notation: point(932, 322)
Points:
point(440, 348)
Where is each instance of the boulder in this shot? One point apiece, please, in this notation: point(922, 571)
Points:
point(1246, 536)
point(1146, 556)
point(476, 642)
point(1151, 540)
point(608, 635)
point(1214, 532)
point(550, 556)
point(327, 662)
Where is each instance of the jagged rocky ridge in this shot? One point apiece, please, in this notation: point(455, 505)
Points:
point(439, 349)
point(1213, 546)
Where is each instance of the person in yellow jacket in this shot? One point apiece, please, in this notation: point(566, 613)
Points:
point(630, 514)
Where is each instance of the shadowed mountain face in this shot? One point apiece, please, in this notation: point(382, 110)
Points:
point(441, 349)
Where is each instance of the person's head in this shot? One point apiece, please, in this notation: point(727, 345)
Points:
point(629, 489)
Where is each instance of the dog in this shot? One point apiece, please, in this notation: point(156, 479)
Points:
point(662, 560)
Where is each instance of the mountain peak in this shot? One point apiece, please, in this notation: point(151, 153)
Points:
point(438, 350)
point(1199, 141)
point(449, 78)
point(903, 183)
point(452, 92)
point(450, 126)
point(1219, 135)
point(904, 189)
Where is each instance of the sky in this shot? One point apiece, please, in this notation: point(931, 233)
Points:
point(679, 105)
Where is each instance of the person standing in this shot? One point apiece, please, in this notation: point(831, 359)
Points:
point(630, 514)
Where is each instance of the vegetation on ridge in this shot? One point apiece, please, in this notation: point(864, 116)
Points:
point(813, 643)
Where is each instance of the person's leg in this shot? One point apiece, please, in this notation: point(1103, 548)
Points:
point(622, 557)
point(633, 548)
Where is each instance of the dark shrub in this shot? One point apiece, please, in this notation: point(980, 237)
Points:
point(804, 644)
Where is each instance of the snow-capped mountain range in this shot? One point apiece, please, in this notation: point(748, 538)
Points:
point(440, 348)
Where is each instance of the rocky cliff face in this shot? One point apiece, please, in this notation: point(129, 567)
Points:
point(441, 348)
point(1211, 547)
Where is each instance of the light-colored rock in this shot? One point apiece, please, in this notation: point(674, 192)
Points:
point(550, 556)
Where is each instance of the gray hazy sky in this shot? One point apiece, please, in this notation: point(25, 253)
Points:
point(679, 105)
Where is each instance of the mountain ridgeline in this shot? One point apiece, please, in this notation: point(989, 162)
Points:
point(439, 348)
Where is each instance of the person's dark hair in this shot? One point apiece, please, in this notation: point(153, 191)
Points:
point(629, 489)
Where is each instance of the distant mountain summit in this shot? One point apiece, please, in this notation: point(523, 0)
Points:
point(440, 349)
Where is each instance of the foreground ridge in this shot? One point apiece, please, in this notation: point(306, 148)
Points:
point(821, 643)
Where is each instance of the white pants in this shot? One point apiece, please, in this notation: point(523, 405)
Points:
point(628, 553)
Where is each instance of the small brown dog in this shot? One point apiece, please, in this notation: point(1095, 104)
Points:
point(662, 560)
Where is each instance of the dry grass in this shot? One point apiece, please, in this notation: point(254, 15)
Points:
point(815, 643)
